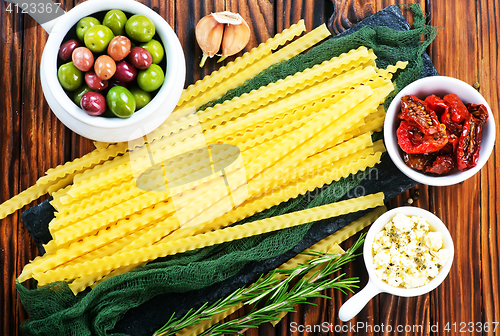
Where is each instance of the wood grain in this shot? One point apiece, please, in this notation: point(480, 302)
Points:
point(349, 12)
point(447, 52)
point(488, 34)
point(33, 140)
point(11, 25)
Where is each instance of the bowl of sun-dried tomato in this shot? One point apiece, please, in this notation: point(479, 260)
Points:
point(439, 131)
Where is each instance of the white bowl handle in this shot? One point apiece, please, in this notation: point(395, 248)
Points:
point(45, 12)
point(354, 305)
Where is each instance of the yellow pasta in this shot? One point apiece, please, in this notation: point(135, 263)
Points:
point(259, 162)
point(104, 237)
point(299, 142)
point(283, 87)
point(312, 178)
point(75, 211)
point(60, 184)
point(211, 238)
point(135, 240)
point(323, 159)
point(61, 192)
point(289, 190)
point(147, 216)
point(51, 247)
point(157, 237)
point(81, 283)
point(292, 103)
point(102, 219)
point(343, 168)
point(78, 285)
point(287, 52)
point(27, 271)
point(96, 183)
point(120, 169)
point(266, 124)
point(23, 198)
point(113, 176)
point(178, 121)
point(242, 62)
point(85, 162)
point(379, 146)
point(165, 193)
point(391, 69)
point(374, 122)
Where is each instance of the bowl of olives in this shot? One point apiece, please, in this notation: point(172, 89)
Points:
point(112, 70)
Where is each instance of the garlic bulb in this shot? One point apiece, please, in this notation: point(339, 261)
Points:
point(223, 28)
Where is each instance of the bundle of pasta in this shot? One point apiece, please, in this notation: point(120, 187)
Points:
point(201, 171)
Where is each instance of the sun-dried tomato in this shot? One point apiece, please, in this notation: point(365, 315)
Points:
point(479, 112)
point(442, 165)
point(451, 146)
point(419, 161)
point(450, 124)
point(416, 111)
point(437, 105)
point(469, 144)
point(458, 110)
point(438, 135)
point(413, 141)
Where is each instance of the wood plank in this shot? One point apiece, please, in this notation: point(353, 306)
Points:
point(11, 39)
point(34, 139)
point(259, 16)
point(44, 140)
point(369, 315)
point(462, 287)
point(187, 15)
point(314, 13)
point(488, 34)
point(385, 309)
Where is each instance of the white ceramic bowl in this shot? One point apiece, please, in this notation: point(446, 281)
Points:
point(440, 86)
point(112, 129)
point(375, 286)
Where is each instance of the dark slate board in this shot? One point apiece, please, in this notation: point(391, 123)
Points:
point(148, 317)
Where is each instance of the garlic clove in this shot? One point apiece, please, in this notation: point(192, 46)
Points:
point(209, 34)
point(222, 28)
point(228, 18)
point(235, 38)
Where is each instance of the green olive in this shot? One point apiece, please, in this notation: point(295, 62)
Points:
point(121, 102)
point(156, 50)
point(98, 37)
point(115, 20)
point(142, 98)
point(151, 79)
point(69, 76)
point(84, 24)
point(140, 28)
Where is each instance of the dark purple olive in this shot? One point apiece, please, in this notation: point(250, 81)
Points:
point(67, 48)
point(94, 82)
point(125, 72)
point(140, 58)
point(93, 103)
point(114, 82)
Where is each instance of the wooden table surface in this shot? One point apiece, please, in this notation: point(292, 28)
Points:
point(32, 140)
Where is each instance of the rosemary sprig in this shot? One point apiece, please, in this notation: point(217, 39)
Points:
point(277, 292)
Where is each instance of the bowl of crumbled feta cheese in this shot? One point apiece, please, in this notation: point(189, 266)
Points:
point(408, 251)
